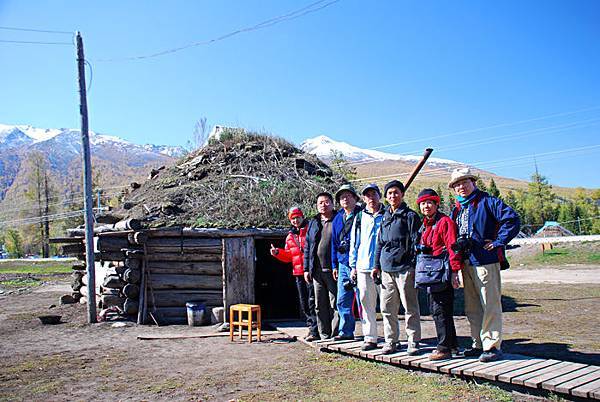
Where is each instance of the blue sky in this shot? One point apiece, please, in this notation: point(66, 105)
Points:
point(480, 82)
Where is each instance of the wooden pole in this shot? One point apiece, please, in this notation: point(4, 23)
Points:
point(87, 184)
point(417, 168)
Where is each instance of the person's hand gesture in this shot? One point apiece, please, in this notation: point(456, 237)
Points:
point(455, 280)
point(274, 250)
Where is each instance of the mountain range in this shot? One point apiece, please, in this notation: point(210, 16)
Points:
point(115, 161)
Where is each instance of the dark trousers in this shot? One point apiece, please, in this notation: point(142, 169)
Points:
point(326, 303)
point(441, 305)
point(306, 298)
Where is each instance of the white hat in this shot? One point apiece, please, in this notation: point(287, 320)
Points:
point(461, 174)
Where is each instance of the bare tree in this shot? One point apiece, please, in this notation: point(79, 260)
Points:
point(40, 192)
point(201, 131)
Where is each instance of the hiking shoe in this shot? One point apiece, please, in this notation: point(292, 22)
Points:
point(311, 338)
point(412, 349)
point(472, 352)
point(368, 346)
point(491, 355)
point(439, 355)
point(389, 348)
point(343, 338)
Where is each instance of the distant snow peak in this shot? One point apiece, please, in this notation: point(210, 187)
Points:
point(19, 135)
point(322, 146)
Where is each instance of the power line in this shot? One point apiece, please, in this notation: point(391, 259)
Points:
point(445, 170)
point(490, 140)
point(308, 9)
point(474, 130)
point(35, 42)
point(35, 30)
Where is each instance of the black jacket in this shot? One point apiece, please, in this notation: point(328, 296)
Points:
point(395, 250)
point(313, 236)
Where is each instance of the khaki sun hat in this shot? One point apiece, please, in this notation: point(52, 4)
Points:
point(461, 174)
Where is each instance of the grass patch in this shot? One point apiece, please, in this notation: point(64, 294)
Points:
point(35, 267)
point(21, 283)
point(562, 255)
point(344, 378)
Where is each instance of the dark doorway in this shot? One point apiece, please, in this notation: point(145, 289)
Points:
point(275, 285)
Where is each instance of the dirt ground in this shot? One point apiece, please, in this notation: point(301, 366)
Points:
point(76, 361)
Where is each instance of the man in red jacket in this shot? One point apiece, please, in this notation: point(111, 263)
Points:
point(294, 253)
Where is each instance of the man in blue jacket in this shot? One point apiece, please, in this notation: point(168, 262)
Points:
point(341, 230)
point(485, 226)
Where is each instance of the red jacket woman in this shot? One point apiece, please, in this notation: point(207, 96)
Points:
point(294, 249)
point(439, 234)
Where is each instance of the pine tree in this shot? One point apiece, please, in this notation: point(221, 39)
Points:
point(493, 190)
point(539, 201)
point(481, 184)
point(441, 194)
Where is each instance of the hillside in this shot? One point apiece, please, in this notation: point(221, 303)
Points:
point(115, 162)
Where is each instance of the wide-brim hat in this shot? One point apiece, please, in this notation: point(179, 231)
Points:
point(461, 174)
point(345, 187)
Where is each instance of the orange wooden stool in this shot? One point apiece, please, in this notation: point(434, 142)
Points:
point(240, 321)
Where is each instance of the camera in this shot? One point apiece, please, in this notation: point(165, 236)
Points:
point(463, 244)
point(377, 280)
point(344, 247)
point(349, 284)
point(423, 249)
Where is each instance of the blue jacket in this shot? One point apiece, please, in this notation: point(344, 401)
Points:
point(337, 226)
point(313, 236)
point(489, 219)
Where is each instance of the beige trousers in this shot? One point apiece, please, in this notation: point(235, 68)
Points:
point(483, 305)
point(397, 288)
point(367, 295)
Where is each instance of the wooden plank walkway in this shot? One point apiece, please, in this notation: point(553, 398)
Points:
point(577, 379)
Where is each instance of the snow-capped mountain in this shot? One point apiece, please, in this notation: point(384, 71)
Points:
point(322, 146)
point(114, 159)
point(18, 136)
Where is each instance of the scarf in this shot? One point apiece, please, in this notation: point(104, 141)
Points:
point(464, 201)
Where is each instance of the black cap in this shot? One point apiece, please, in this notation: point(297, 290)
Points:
point(394, 183)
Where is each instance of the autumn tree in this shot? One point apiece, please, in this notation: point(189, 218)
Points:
point(40, 192)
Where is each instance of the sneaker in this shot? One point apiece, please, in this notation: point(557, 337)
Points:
point(413, 348)
point(368, 346)
point(311, 338)
point(343, 338)
point(439, 355)
point(491, 355)
point(472, 352)
point(389, 348)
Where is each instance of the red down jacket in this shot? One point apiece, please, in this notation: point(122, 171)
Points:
point(294, 250)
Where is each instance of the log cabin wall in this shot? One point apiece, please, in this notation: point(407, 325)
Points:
point(172, 266)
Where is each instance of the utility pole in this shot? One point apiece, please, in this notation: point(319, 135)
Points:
point(88, 201)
